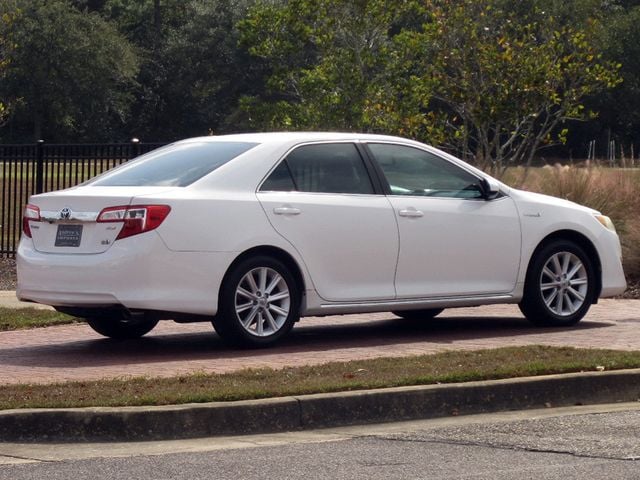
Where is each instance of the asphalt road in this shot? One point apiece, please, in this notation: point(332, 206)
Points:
point(574, 443)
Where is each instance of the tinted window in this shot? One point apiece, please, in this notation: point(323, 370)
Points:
point(279, 181)
point(325, 168)
point(175, 165)
point(411, 171)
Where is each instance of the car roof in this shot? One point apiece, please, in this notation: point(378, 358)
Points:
point(287, 137)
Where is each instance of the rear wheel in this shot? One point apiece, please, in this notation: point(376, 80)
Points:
point(560, 285)
point(424, 314)
point(122, 328)
point(259, 303)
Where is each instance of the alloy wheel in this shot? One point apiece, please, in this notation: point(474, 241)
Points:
point(564, 283)
point(262, 301)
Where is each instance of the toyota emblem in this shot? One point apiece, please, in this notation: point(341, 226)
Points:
point(65, 213)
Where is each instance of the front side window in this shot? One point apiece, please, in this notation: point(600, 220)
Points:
point(411, 171)
point(176, 165)
point(322, 168)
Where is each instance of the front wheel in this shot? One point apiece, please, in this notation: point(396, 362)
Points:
point(560, 285)
point(259, 303)
point(122, 328)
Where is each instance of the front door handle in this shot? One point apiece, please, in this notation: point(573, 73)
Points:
point(286, 211)
point(411, 213)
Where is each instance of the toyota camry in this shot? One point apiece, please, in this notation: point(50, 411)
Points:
point(254, 231)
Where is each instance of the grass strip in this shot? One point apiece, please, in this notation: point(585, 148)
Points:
point(23, 318)
point(448, 367)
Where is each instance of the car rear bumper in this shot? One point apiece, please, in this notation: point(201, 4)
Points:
point(137, 273)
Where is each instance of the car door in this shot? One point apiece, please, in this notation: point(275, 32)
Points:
point(453, 242)
point(322, 200)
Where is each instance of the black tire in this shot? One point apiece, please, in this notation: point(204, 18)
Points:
point(255, 321)
point(424, 314)
point(553, 296)
point(121, 328)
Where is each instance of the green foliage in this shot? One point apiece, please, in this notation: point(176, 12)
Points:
point(24, 318)
point(334, 64)
point(492, 80)
point(506, 78)
point(69, 72)
point(192, 69)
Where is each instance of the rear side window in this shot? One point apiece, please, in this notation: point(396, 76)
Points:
point(323, 168)
point(175, 165)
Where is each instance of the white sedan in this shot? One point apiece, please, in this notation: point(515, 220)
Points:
point(254, 231)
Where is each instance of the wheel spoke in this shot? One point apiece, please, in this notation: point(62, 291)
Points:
point(275, 280)
point(551, 298)
point(252, 283)
point(576, 294)
point(556, 264)
point(580, 281)
point(566, 261)
point(245, 293)
point(568, 303)
point(279, 310)
point(248, 320)
point(244, 307)
point(547, 271)
point(279, 296)
point(549, 286)
point(576, 268)
point(271, 321)
point(263, 279)
point(559, 303)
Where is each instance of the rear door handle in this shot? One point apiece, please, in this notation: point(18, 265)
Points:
point(411, 213)
point(286, 211)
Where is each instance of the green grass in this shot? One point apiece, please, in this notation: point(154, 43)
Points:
point(23, 318)
point(446, 367)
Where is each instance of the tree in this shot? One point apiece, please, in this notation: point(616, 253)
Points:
point(192, 70)
point(70, 73)
point(333, 64)
point(505, 79)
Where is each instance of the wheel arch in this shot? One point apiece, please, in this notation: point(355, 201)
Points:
point(279, 254)
point(583, 242)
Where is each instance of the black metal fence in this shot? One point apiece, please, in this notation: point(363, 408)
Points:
point(36, 168)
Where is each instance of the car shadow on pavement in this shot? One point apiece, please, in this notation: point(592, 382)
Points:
point(159, 347)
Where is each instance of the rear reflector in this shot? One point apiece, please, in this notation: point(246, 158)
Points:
point(136, 219)
point(31, 214)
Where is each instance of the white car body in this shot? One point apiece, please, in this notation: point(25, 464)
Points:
point(350, 252)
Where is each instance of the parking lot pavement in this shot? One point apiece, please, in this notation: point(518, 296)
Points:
point(75, 352)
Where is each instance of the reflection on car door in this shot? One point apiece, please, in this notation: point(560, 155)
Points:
point(321, 199)
point(452, 241)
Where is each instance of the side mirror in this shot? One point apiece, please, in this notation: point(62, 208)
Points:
point(489, 188)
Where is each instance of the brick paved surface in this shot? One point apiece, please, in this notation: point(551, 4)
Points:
point(77, 353)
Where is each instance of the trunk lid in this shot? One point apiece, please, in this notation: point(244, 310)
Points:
point(68, 218)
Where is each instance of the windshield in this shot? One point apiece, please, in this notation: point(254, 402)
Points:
point(176, 165)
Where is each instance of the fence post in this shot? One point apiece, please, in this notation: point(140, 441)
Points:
point(136, 148)
point(39, 166)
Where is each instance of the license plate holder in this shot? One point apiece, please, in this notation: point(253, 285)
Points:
point(68, 235)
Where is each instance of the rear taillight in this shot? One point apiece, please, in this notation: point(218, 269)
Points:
point(31, 214)
point(136, 218)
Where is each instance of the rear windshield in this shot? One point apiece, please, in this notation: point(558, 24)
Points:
point(175, 165)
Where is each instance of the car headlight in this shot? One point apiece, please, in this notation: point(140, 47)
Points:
point(606, 222)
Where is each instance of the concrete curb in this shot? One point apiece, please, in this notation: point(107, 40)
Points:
point(316, 411)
